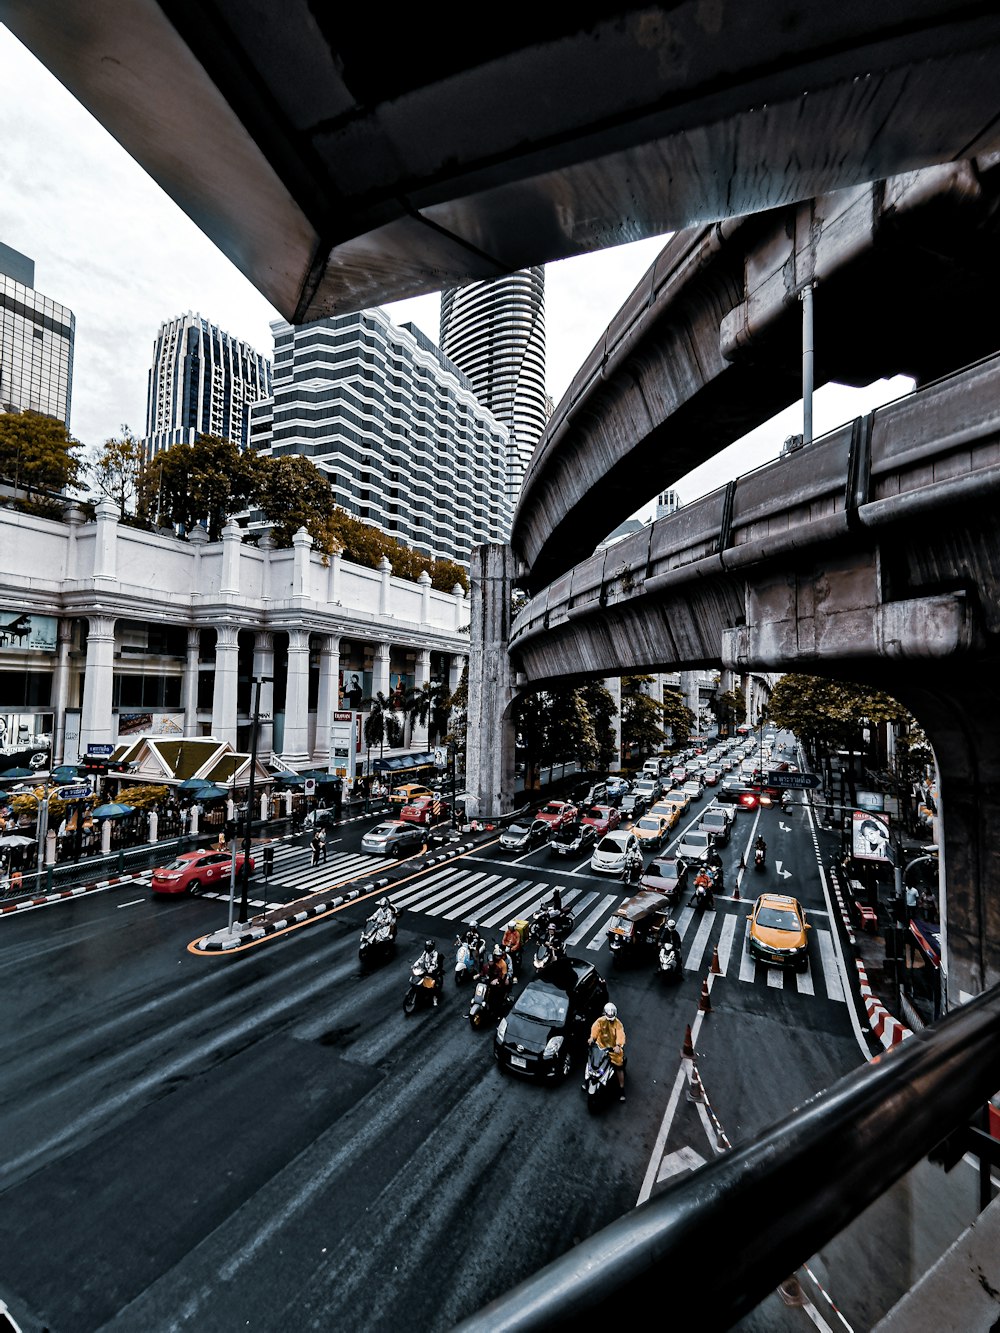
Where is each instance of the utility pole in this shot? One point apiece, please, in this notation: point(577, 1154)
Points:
point(258, 681)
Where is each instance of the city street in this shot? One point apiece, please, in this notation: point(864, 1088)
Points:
point(265, 1140)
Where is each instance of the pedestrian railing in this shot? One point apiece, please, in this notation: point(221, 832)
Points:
point(736, 1228)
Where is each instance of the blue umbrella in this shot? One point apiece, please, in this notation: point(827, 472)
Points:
point(65, 773)
point(291, 779)
point(113, 810)
point(209, 792)
point(192, 784)
point(18, 773)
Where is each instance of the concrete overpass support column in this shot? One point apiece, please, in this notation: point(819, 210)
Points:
point(964, 728)
point(613, 685)
point(489, 772)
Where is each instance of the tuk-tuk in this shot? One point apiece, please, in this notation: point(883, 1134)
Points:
point(634, 926)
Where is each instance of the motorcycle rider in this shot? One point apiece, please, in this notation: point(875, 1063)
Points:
point(433, 964)
point(608, 1033)
point(476, 944)
point(384, 915)
point(497, 973)
point(714, 867)
point(633, 867)
point(511, 943)
point(703, 880)
point(760, 845)
point(669, 934)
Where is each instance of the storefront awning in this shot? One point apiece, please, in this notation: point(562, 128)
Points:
point(403, 763)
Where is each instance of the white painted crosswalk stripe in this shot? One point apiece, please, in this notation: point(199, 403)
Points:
point(831, 973)
point(725, 945)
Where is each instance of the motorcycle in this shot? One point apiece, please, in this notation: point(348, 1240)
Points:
point(759, 859)
point(488, 1002)
point(548, 955)
point(378, 942)
point(702, 898)
point(668, 963)
point(561, 918)
point(468, 962)
point(423, 988)
point(599, 1078)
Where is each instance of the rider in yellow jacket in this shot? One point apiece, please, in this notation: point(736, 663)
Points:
point(609, 1034)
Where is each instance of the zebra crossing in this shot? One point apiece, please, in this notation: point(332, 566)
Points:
point(459, 894)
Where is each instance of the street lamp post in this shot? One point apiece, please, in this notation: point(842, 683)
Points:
point(258, 681)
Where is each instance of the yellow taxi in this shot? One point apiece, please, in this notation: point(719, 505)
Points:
point(677, 798)
point(779, 932)
point(408, 793)
point(651, 830)
point(669, 810)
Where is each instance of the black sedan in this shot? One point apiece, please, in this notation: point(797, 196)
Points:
point(665, 875)
point(550, 1021)
point(577, 840)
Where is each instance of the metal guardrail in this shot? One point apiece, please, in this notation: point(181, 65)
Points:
point(782, 1197)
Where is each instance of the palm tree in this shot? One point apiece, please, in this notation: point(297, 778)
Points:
point(429, 701)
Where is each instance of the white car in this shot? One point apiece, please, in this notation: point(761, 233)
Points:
point(609, 855)
point(694, 846)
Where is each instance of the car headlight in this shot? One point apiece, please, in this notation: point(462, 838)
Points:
point(501, 1029)
point(552, 1047)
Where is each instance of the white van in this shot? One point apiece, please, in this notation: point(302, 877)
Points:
point(652, 767)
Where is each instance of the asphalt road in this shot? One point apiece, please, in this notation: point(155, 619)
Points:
point(265, 1141)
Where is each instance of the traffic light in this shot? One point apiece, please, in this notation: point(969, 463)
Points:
point(93, 765)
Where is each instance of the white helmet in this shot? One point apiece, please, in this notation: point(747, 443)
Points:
point(671, 925)
point(383, 902)
point(610, 1010)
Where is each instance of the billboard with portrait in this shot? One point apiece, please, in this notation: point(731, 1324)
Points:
point(870, 840)
point(25, 742)
point(355, 687)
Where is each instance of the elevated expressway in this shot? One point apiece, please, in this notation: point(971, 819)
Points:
point(872, 554)
point(342, 158)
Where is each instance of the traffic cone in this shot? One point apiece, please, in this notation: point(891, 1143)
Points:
point(736, 893)
point(705, 1003)
point(687, 1050)
point(696, 1093)
point(716, 969)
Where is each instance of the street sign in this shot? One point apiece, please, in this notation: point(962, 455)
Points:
point(797, 780)
point(74, 793)
point(310, 787)
point(105, 750)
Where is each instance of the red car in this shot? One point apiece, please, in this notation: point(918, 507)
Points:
point(557, 814)
point(424, 810)
point(193, 872)
point(603, 817)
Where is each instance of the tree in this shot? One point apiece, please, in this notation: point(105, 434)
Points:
point(641, 717)
point(729, 708)
point(117, 469)
point(427, 705)
point(676, 715)
point(202, 482)
point(600, 704)
point(293, 493)
point(38, 454)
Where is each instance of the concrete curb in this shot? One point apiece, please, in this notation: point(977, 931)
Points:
point(890, 1031)
point(259, 928)
point(78, 891)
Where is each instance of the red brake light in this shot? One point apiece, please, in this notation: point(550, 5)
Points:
point(749, 800)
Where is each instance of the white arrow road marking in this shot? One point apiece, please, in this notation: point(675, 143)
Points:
point(785, 828)
point(785, 874)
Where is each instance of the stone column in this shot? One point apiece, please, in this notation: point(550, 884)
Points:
point(226, 678)
point(302, 544)
point(189, 687)
point(295, 750)
point(326, 700)
point(60, 690)
point(384, 602)
point(232, 537)
point(263, 665)
point(421, 675)
point(461, 609)
point(456, 665)
point(425, 598)
point(106, 544)
point(380, 669)
point(489, 773)
point(96, 723)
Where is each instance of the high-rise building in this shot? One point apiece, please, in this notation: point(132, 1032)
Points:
point(397, 429)
point(36, 343)
point(202, 382)
point(495, 332)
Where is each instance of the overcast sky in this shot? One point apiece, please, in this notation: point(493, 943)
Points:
point(110, 245)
